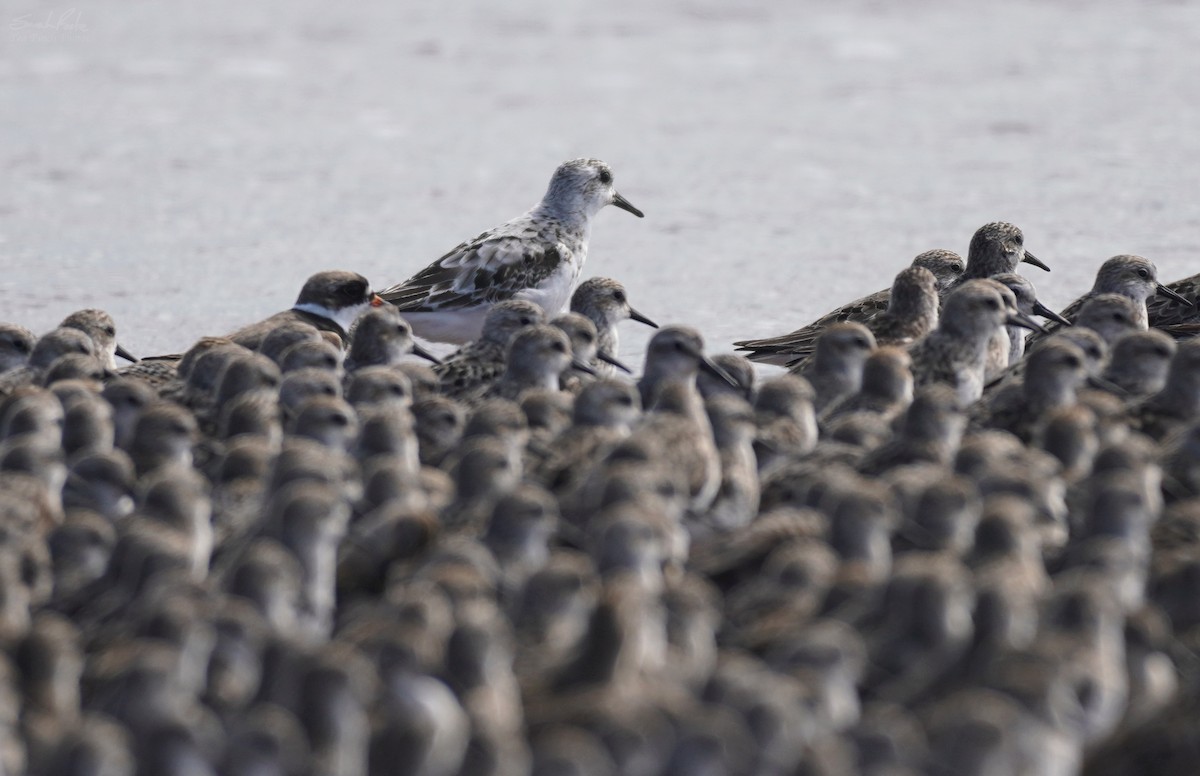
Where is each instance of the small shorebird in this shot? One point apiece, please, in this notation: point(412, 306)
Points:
point(468, 373)
point(995, 248)
point(99, 325)
point(1131, 276)
point(536, 256)
point(956, 352)
point(605, 303)
point(329, 300)
point(793, 349)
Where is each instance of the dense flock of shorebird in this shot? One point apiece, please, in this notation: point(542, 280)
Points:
point(947, 540)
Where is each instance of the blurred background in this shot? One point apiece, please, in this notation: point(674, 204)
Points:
point(186, 165)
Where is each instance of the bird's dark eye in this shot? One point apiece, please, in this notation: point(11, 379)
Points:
point(1143, 273)
point(110, 331)
point(559, 347)
point(1118, 317)
point(526, 321)
point(619, 296)
point(625, 401)
point(679, 346)
point(992, 304)
point(21, 346)
point(340, 420)
point(586, 338)
point(605, 177)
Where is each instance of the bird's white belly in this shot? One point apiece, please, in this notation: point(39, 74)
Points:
point(454, 326)
point(554, 293)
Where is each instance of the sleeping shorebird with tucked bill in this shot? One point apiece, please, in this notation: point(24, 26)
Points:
point(536, 257)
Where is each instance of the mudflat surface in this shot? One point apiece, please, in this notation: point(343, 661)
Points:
point(187, 165)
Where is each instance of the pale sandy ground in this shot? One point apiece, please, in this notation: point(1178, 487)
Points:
point(187, 164)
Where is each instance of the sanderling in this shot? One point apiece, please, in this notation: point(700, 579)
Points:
point(887, 387)
point(739, 368)
point(311, 354)
point(373, 386)
point(501, 419)
point(907, 318)
point(536, 256)
point(87, 426)
point(605, 302)
point(48, 349)
point(440, 422)
point(929, 432)
point(1179, 400)
point(469, 372)
point(76, 366)
point(285, 335)
point(1139, 362)
point(604, 413)
point(786, 420)
point(328, 300)
point(677, 419)
point(674, 353)
point(381, 337)
point(328, 420)
point(1109, 315)
point(302, 384)
point(99, 325)
point(1027, 302)
point(999, 349)
point(996, 248)
point(1131, 276)
point(737, 499)
point(16, 343)
point(583, 336)
point(955, 353)
point(1054, 371)
point(162, 436)
point(536, 358)
point(940, 516)
point(835, 370)
point(519, 532)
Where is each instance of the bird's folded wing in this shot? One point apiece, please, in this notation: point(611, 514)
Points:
point(487, 269)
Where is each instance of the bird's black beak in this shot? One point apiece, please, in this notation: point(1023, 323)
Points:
point(1024, 321)
point(125, 354)
point(1174, 295)
point(608, 359)
point(1099, 382)
point(1046, 312)
point(579, 366)
point(417, 350)
point(1029, 258)
point(635, 315)
point(623, 203)
point(708, 366)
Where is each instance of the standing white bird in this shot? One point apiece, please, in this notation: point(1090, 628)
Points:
point(536, 256)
